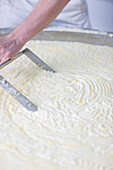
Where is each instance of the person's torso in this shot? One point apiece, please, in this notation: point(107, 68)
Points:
point(12, 13)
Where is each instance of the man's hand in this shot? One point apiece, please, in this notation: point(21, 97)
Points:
point(9, 48)
point(41, 16)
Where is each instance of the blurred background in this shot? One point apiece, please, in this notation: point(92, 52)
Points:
point(101, 14)
point(12, 12)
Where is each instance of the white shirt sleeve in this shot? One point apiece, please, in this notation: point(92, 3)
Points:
point(13, 12)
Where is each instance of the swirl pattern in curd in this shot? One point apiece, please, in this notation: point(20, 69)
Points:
point(73, 128)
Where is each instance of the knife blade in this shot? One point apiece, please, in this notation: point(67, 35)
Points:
point(12, 90)
point(17, 95)
point(32, 57)
point(37, 60)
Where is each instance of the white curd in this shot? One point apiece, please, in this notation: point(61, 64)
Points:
point(73, 129)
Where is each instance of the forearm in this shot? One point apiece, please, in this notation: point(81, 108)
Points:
point(42, 15)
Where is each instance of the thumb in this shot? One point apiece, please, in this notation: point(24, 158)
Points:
point(5, 58)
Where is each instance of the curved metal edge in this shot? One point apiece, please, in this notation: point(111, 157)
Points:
point(71, 34)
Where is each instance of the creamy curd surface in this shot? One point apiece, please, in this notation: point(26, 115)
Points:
point(73, 128)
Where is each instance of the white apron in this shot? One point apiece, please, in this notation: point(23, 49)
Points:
point(13, 12)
